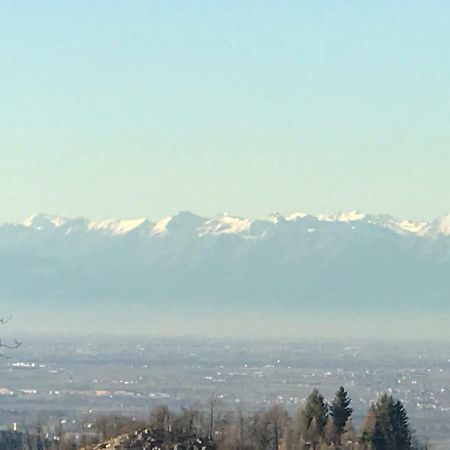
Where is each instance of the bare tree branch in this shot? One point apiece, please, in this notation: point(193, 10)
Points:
point(12, 346)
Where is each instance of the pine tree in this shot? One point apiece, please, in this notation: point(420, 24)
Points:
point(313, 418)
point(383, 433)
point(315, 408)
point(340, 409)
point(400, 424)
point(386, 426)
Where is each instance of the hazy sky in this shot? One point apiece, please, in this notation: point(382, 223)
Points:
point(143, 108)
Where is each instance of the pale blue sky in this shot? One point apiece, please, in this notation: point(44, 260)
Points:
point(143, 108)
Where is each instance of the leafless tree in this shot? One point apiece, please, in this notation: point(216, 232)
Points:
point(8, 345)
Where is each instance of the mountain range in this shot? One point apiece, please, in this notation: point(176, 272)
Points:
point(344, 261)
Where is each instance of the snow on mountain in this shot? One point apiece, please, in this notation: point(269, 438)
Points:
point(439, 226)
point(114, 227)
point(275, 218)
point(295, 216)
point(350, 259)
point(350, 216)
point(118, 227)
point(44, 221)
point(183, 221)
point(161, 226)
point(51, 223)
point(228, 224)
point(225, 224)
point(411, 227)
point(399, 226)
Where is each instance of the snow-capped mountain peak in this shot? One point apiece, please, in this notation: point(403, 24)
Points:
point(183, 221)
point(187, 223)
point(412, 227)
point(296, 216)
point(117, 226)
point(276, 217)
point(350, 216)
point(161, 226)
point(225, 224)
point(345, 258)
point(42, 221)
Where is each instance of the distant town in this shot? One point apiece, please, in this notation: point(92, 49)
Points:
point(70, 382)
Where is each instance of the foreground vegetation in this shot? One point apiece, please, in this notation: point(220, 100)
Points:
point(317, 425)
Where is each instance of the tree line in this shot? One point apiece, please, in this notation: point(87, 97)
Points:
point(317, 425)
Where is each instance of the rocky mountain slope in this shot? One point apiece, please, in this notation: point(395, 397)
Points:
point(349, 260)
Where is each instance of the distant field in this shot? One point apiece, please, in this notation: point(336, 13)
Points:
point(74, 380)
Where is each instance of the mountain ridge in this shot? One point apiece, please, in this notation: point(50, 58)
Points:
point(229, 224)
point(346, 260)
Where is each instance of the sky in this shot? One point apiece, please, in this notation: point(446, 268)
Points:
point(130, 109)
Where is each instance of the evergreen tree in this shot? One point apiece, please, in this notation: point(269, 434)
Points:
point(386, 426)
point(315, 409)
point(400, 425)
point(383, 432)
point(340, 409)
point(313, 419)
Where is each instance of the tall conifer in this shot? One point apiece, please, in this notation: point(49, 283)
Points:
point(340, 409)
